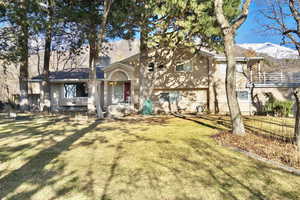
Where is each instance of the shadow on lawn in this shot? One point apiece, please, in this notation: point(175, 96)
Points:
point(29, 127)
point(209, 168)
point(36, 164)
point(199, 122)
point(219, 175)
point(193, 164)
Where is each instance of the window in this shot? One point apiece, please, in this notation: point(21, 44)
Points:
point(103, 61)
point(173, 96)
point(239, 68)
point(164, 96)
point(243, 95)
point(72, 90)
point(151, 67)
point(161, 66)
point(223, 68)
point(184, 68)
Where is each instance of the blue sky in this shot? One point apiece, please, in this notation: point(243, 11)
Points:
point(251, 32)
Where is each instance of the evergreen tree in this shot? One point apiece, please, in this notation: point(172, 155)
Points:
point(100, 21)
point(14, 48)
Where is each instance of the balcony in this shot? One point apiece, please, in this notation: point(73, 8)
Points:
point(275, 79)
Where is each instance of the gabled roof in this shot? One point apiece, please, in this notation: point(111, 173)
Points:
point(70, 74)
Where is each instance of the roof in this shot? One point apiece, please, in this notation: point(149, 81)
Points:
point(241, 55)
point(70, 74)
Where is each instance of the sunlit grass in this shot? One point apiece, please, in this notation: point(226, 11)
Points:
point(139, 158)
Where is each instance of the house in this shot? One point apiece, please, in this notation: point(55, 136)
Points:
point(194, 83)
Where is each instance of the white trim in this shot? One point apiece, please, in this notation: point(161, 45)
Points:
point(118, 64)
point(121, 70)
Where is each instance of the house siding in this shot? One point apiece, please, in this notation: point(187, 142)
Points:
point(204, 85)
point(218, 96)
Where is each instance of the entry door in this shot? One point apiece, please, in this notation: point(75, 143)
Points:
point(127, 92)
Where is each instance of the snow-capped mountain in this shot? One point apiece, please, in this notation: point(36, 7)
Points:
point(272, 50)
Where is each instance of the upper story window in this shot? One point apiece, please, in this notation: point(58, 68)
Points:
point(243, 95)
point(103, 61)
point(151, 67)
point(72, 90)
point(184, 67)
point(239, 68)
point(223, 68)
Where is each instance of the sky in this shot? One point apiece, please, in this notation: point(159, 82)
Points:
point(251, 31)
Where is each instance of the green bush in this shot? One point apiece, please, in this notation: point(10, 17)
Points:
point(279, 108)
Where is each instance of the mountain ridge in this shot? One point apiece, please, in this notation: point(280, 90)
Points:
point(270, 49)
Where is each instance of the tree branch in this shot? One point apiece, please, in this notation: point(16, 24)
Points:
point(241, 19)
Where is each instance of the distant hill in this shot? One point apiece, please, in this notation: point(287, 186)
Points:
point(276, 58)
point(272, 50)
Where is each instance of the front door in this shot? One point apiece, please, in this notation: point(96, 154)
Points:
point(127, 92)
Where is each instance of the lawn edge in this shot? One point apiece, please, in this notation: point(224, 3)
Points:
point(257, 157)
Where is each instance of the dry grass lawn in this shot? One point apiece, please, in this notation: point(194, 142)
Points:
point(159, 158)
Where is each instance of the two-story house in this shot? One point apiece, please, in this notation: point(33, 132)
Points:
point(193, 84)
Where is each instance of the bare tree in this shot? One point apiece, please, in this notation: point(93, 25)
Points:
point(284, 19)
point(229, 28)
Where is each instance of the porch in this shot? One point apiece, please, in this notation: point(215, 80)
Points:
point(118, 92)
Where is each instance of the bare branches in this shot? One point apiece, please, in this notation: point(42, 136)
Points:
point(284, 19)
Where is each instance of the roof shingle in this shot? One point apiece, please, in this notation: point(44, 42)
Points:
point(73, 73)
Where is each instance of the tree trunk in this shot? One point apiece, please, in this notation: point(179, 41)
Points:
point(47, 54)
point(228, 31)
point(93, 98)
point(23, 42)
point(46, 71)
point(142, 71)
point(234, 108)
point(297, 121)
point(91, 85)
point(23, 82)
point(96, 42)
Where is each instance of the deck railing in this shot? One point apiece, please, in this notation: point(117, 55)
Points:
point(276, 78)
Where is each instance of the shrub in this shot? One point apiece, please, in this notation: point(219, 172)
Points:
point(278, 108)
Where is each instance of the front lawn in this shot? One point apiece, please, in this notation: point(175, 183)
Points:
point(159, 158)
